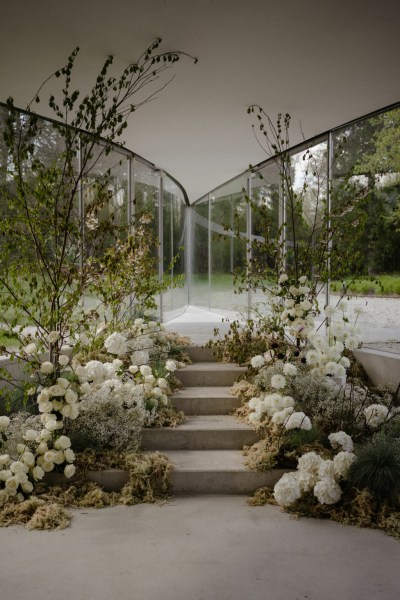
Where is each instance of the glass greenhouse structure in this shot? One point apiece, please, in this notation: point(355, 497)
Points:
point(202, 233)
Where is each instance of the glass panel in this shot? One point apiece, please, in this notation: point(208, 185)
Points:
point(174, 230)
point(199, 276)
point(265, 221)
point(368, 164)
point(228, 252)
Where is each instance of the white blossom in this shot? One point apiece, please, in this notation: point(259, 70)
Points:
point(342, 462)
point(63, 360)
point(341, 440)
point(278, 381)
point(290, 369)
point(287, 489)
point(46, 367)
point(298, 420)
point(376, 414)
point(327, 491)
point(257, 361)
point(116, 343)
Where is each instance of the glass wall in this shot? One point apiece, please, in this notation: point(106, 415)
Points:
point(349, 176)
point(175, 300)
point(117, 188)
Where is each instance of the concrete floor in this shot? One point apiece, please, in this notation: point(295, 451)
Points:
point(208, 548)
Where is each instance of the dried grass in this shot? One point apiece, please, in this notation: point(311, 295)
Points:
point(149, 481)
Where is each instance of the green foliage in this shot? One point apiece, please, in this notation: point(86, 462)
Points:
point(377, 468)
point(378, 285)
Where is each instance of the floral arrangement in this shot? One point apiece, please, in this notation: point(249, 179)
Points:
point(308, 414)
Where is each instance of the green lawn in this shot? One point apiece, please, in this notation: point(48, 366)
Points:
point(379, 285)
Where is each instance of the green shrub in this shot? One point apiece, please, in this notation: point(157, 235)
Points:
point(377, 468)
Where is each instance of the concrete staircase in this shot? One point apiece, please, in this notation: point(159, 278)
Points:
point(206, 450)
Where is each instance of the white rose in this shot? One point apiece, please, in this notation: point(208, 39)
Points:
point(45, 435)
point(69, 471)
point(18, 466)
point(37, 473)
point(46, 367)
point(71, 397)
point(21, 477)
point(162, 383)
point(21, 448)
point(27, 487)
point(58, 457)
point(133, 369)
point(64, 383)
point(74, 411)
point(11, 484)
point(69, 455)
point(5, 474)
point(62, 443)
point(63, 360)
point(56, 390)
point(3, 497)
point(28, 458)
point(42, 448)
point(47, 466)
point(4, 459)
point(30, 435)
point(66, 411)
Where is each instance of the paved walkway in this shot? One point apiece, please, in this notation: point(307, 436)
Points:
point(204, 548)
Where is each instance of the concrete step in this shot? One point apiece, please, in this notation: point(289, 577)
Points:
point(216, 472)
point(200, 354)
point(205, 401)
point(209, 374)
point(206, 432)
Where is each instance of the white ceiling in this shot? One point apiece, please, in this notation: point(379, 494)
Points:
point(323, 61)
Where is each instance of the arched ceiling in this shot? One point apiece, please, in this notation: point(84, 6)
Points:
point(324, 62)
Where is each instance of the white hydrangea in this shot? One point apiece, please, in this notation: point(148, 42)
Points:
point(63, 360)
point(342, 462)
point(341, 440)
point(170, 365)
point(287, 489)
point(326, 469)
point(298, 420)
point(282, 278)
point(257, 361)
point(280, 417)
point(327, 491)
point(117, 344)
point(309, 462)
point(140, 357)
point(376, 414)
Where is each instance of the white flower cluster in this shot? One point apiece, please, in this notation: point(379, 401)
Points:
point(277, 406)
point(317, 475)
point(35, 457)
point(297, 313)
point(326, 358)
point(376, 414)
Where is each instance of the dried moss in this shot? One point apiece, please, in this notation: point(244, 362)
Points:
point(168, 417)
point(149, 481)
point(360, 509)
point(35, 513)
point(262, 456)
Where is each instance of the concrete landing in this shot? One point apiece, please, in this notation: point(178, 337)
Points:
point(198, 548)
